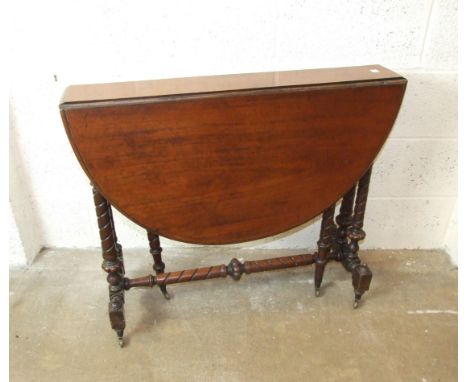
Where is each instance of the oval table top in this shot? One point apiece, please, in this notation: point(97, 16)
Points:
point(227, 159)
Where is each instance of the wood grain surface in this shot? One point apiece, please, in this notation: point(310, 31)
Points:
point(217, 168)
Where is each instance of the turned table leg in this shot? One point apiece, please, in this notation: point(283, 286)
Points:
point(324, 245)
point(112, 263)
point(158, 266)
point(361, 274)
point(344, 220)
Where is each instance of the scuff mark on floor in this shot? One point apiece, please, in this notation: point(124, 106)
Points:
point(433, 311)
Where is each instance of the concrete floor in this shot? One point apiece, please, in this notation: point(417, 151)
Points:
point(266, 327)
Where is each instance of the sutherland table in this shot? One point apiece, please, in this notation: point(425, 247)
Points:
point(233, 158)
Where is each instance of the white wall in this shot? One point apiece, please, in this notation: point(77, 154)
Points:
point(26, 238)
point(414, 188)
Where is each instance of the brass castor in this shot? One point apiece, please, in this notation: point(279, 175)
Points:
point(357, 298)
point(165, 293)
point(120, 338)
point(317, 292)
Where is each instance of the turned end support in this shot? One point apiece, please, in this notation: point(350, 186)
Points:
point(156, 252)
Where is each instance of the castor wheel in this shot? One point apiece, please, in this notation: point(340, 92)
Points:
point(317, 292)
point(165, 293)
point(120, 339)
point(356, 304)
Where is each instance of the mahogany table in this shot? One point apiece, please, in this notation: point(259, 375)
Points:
point(233, 158)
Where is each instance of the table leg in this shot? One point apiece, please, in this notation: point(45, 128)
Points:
point(344, 220)
point(112, 263)
point(324, 244)
point(156, 250)
point(361, 274)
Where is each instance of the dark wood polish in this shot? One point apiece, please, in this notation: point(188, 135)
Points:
point(235, 269)
point(112, 264)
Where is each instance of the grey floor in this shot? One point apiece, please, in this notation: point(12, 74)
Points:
point(266, 327)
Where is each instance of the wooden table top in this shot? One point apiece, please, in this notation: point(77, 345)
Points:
point(222, 83)
point(227, 159)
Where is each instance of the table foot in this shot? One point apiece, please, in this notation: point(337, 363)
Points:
point(362, 277)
